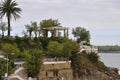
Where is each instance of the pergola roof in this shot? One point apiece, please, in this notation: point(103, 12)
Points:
point(55, 28)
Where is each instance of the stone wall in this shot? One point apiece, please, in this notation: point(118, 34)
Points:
point(61, 71)
point(64, 72)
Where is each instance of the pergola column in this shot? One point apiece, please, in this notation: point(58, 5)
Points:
point(45, 33)
point(67, 33)
point(64, 33)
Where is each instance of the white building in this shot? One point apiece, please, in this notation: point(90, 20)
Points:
point(88, 49)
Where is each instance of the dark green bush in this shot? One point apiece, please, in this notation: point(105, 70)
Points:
point(93, 57)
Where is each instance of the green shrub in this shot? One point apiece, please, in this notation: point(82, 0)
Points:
point(93, 57)
point(101, 66)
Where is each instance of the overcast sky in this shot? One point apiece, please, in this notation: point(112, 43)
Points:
point(100, 17)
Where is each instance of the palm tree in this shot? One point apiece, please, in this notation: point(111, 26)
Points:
point(10, 9)
point(3, 28)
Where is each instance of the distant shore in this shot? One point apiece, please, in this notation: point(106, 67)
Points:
point(109, 52)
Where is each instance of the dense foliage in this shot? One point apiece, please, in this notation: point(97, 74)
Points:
point(33, 50)
point(86, 64)
point(33, 63)
point(93, 57)
point(2, 68)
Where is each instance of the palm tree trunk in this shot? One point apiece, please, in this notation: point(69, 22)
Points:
point(30, 33)
point(2, 33)
point(8, 17)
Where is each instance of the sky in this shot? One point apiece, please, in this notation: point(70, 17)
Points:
point(100, 17)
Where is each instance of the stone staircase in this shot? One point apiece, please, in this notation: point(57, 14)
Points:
point(19, 74)
point(15, 77)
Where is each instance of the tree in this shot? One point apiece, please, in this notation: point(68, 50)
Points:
point(9, 49)
point(10, 52)
point(35, 27)
point(55, 49)
point(33, 63)
point(30, 29)
point(3, 28)
point(49, 23)
point(82, 35)
point(68, 48)
point(10, 9)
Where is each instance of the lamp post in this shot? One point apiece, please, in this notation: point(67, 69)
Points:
point(6, 74)
point(7, 65)
point(0, 24)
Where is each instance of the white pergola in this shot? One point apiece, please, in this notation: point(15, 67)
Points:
point(55, 30)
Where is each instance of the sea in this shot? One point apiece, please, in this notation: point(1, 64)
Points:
point(110, 59)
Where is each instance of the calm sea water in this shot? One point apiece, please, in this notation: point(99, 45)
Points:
point(111, 59)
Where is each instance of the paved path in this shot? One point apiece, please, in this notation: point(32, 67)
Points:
point(57, 62)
